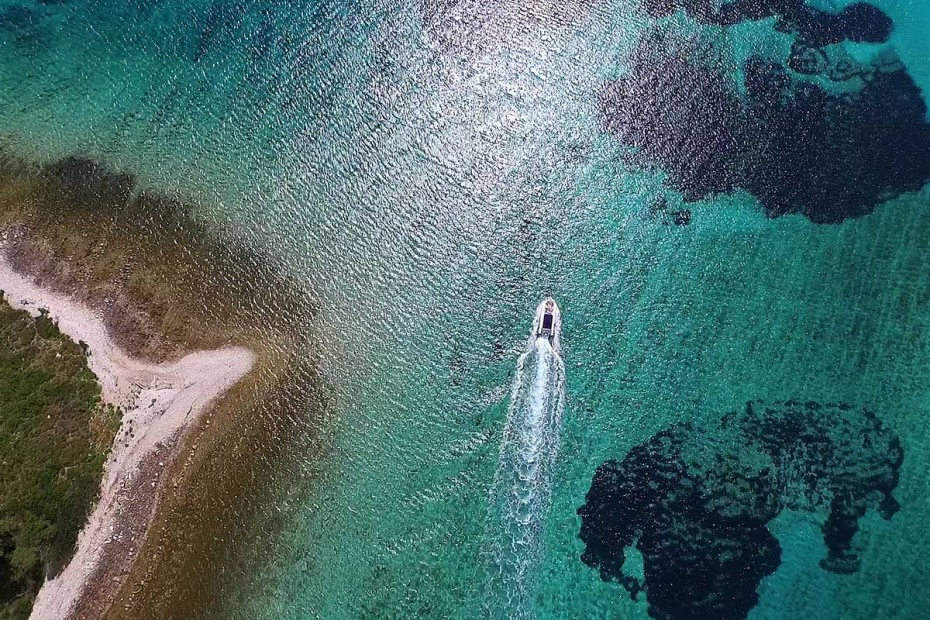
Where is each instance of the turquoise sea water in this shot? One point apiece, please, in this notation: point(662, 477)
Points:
point(431, 173)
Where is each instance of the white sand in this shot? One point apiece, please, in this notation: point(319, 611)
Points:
point(162, 400)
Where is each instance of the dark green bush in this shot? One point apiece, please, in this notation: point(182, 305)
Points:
point(55, 434)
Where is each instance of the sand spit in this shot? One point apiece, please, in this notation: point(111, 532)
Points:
point(160, 402)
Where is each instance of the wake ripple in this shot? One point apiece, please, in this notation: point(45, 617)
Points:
point(522, 491)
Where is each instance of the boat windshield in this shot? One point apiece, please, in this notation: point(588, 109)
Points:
point(547, 321)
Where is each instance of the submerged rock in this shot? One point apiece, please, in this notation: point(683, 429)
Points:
point(696, 500)
point(794, 145)
point(859, 22)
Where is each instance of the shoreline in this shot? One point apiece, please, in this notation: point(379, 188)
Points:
point(160, 404)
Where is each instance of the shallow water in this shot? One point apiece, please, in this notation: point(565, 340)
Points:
point(431, 172)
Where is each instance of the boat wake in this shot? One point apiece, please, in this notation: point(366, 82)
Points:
point(522, 490)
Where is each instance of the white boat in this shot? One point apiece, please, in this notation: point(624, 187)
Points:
point(548, 322)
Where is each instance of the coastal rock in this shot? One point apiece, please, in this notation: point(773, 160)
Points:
point(695, 501)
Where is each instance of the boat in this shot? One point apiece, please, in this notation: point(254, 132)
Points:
point(548, 322)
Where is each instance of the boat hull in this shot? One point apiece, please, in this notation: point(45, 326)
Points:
point(547, 323)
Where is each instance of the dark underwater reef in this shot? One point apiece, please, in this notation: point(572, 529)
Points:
point(795, 144)
point(859, 22)
point(458, 22)
point(696, 500)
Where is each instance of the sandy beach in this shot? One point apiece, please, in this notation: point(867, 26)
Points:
point(160, 402)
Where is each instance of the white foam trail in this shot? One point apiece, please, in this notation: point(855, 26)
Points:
point(522, 490)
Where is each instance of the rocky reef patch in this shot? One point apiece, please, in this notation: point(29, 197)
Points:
point(790, 141)
point(859, 22)
point(695, 501)
point(814, 131)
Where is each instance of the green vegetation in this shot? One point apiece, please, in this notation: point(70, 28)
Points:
point(55, 434)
